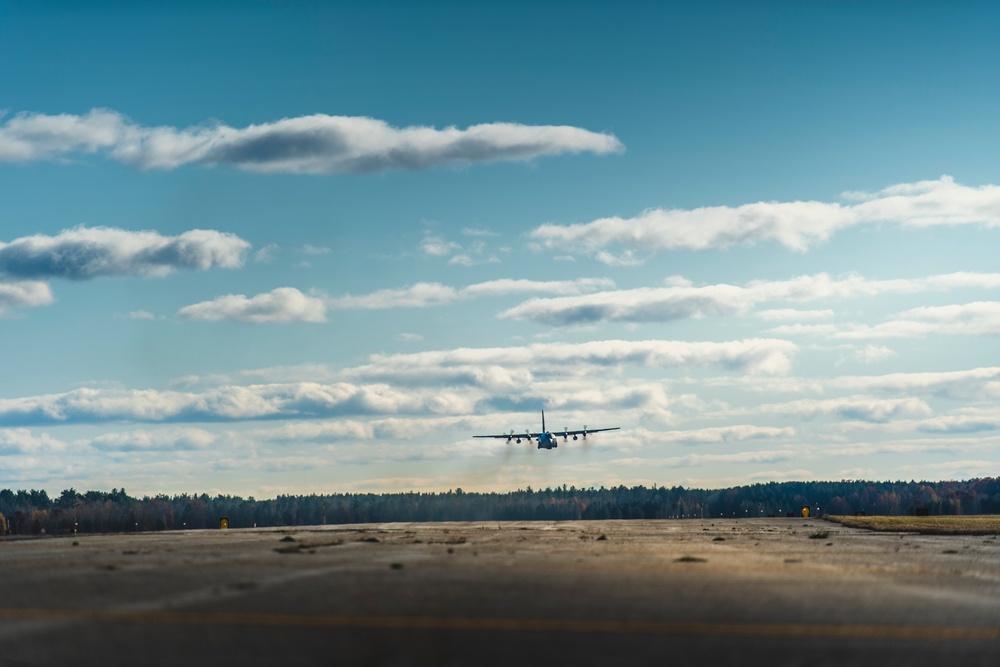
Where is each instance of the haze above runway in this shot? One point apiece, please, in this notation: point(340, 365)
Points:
point(740, 592)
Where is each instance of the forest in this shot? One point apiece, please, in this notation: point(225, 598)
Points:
point(35, 512)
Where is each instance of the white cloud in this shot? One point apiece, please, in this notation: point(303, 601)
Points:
point(693, 460)
point(963, 385)
point(910, 447)
point(141, 315)
point(857, 408)
point(472, 231)
point(681, 300)
point(324, 431)
point(507, 286)
point(91, 252)
point(163, 440)
point(626, 258)
point(422, 295)
point(29, 136)
point(980, 318)
point(796, 225)
point(982, 383)
point(461, 260)
point(307, 144)
point(645, 304)
point(869, 354)
point(452, 382)
point(794, 314)
point(963, 421)
point(474, 253)
point(24, 294)
point(433, 246)
point(945, 470)
point(284, 304)
point(231, 403)
point(21, 441)
point(752, 355)
point(266, 254)
point(309, 249)
point(723, 434)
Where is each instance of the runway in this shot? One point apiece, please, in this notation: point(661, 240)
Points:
point(740, 592)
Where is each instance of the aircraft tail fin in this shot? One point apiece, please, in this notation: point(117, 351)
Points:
point(543, 421)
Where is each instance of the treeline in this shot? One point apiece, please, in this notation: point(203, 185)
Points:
point(34, 512)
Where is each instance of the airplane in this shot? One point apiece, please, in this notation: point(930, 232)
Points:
point(546, 439)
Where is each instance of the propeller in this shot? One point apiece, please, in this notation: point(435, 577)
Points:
point(584, 431)
point(565, 428)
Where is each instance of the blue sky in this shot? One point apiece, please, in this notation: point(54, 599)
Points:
point(262, 248)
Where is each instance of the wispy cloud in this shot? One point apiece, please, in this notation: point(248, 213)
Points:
point(420, 384)
point(682, 300)
point(754, 355)
point(722, 434)
point(284, 304)
point(266, 254)
point(860, 408)
point(422, 295)
point(24, 294)
point(309, 249)
point(979, 318)
point(21, 441)
point(308, 144)
point(796, 225)
point(963, 385)
point(785, 314)
point(162, 440)
point(230, 403)
point(475, 231)
point(982, 383)
point(869, 354)
point(471, 254)
point(83, 253)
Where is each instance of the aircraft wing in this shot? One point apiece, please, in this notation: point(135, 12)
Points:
point(508, 436)
point(586, 431)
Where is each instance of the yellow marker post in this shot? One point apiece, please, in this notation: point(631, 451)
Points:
point(224, 522)
point(805, 511)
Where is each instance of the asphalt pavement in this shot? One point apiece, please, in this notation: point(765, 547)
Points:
point(778, 591)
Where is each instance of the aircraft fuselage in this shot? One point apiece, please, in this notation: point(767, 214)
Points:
point(547, 441)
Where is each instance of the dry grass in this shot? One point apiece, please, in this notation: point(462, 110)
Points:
point(927, 525)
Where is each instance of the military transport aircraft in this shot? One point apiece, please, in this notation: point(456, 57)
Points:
point(547, 439)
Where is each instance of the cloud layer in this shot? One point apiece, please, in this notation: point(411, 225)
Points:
point(288, 304)
point(426, 383)
point(309, 144)
point(796, 225)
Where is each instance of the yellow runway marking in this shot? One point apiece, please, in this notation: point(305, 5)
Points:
point(582, 626)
